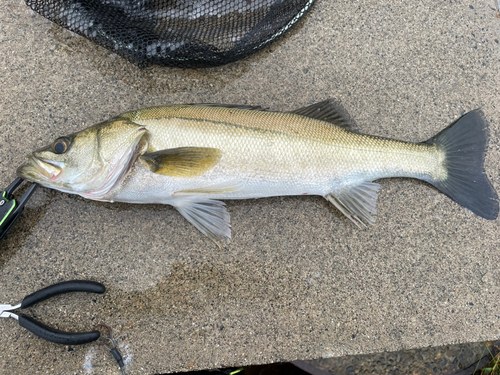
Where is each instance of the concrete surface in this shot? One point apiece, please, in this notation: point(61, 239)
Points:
point(460, 359)
point(298, 281)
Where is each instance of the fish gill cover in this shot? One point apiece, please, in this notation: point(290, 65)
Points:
point(182, 33)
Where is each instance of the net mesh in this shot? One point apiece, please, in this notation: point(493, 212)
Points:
point(182, 33)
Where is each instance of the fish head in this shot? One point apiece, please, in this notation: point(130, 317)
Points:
point(89, 163)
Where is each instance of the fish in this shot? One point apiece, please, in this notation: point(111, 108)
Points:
point(195, 156)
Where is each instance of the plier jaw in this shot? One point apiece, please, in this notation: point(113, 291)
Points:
point(5, 311)
point(10, 208)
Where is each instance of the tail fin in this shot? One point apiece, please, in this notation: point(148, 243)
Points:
point(464, 143)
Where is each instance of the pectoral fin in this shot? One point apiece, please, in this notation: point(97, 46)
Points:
point(208, 215)
point(183, 161)
point(358, 203)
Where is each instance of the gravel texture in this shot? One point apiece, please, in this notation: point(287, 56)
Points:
point(463, 359)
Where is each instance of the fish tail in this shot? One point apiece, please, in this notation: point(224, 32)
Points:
point(464, 144)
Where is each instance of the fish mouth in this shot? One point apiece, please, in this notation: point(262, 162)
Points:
point(40, 169)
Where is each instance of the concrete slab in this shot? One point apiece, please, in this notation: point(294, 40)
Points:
point(458, 359)
point(298, 281)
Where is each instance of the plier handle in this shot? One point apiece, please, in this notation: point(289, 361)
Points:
point(46, 332)
point(10, 209)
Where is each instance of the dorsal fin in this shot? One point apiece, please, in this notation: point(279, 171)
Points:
point(326, 110)
point(235, 106)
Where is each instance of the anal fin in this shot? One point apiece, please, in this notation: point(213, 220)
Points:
point(358, 203)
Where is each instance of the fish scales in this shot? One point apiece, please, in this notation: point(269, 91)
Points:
point(194, 156)
point(284, 146)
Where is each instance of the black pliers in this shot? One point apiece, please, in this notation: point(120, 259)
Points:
point(46, 332)
point(10, 209)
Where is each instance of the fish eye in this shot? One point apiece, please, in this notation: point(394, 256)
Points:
point(61, 145)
